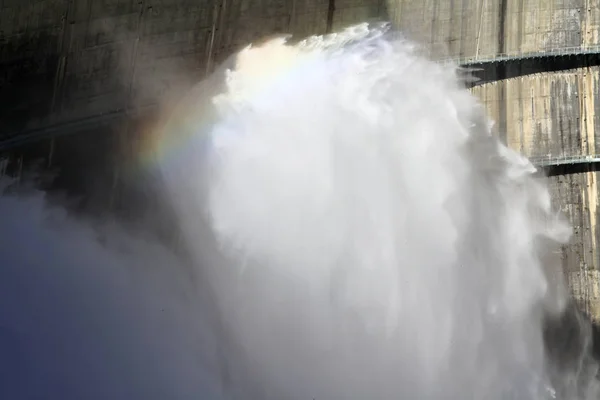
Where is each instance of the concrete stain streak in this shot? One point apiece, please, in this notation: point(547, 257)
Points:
point(587, 97)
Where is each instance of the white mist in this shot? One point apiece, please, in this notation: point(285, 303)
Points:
point(357, 232)
point(376, 241)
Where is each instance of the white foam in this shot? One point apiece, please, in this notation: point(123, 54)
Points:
point(379, 243)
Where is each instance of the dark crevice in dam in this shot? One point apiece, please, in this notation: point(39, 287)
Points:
point(569, 169)
point(91, 175)
point(571, 339)
point(502, 27)
point(330, 15)
point(496, 70)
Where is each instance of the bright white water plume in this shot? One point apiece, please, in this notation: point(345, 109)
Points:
point(357, 232)
point(378, 242)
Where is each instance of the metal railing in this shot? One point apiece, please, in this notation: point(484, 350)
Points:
point(552, 161)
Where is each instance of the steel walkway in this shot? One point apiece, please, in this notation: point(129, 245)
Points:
point(543, 162)
point(517, 56)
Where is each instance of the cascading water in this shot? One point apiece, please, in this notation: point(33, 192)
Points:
point(378, 242)
point(359, 231)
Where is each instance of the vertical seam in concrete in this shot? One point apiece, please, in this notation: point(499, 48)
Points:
point(520, 25)
point(482, 5)
point(122, 134)
point(463, 33)
point(60, 68)
point(397, 10)
point(433, 36)
point(57, 89)
point(529, 126)
point(220, 24)
point(292, 15)
point(584, 213)
point(589, 106)
point(330, 15)
point(450, 42)
point(134, 53)
point(213, 32)
point(585, 18)
point(502, 72)
point(502, 110)
point(502, 27)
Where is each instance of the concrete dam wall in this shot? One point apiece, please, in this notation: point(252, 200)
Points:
point(67, 60)
point(553, 118)
point(81, 81)
point(540, 62)
point(493, 28)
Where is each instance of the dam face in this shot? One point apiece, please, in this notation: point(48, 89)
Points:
point(84, 81)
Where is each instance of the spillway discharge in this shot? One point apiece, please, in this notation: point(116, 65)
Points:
point(357, 233)
point(376, 240)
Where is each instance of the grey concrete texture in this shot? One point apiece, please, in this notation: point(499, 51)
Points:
point(487, 28)
point(557, 115)
point(63, 60)
point(548, 115)
point(576, 195)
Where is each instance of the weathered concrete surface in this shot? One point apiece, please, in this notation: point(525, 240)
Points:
point(64, 60)
point(558, 115)
point(87, 79)
point(577, 196)
point(486, 28)
point(547, 115)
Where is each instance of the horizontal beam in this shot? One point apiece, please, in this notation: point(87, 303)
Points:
point(557, 161)
point(507, 66)
point(468, 62)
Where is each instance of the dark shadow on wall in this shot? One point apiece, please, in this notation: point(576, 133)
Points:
point(568, 169)
point(573, 347)
point(94, 173)
point(512, 68)
point(28, 65)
